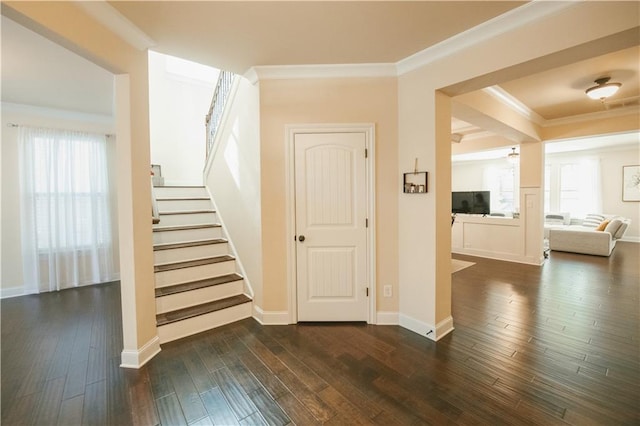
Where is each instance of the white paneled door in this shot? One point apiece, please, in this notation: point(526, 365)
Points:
point(331, 236)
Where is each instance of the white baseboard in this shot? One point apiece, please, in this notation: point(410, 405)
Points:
point(387, 318)
point(630, 239)
point(429, 331)
point(508, 257)
point(8, 292)
point(136, 359)
point(444, 327)
point(270, 317)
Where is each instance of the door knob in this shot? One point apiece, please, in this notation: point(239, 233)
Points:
point(301, 238)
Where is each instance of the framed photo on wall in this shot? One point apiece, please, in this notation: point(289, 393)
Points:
point(631, 183)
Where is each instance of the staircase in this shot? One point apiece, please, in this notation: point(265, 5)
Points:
point(197, 286)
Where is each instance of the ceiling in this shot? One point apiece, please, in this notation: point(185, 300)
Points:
point(560, 92)
point(38, 72)
point(238, 35)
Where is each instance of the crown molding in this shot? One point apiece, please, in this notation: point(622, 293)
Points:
point(514, 103)
point(108, 16)
point(530, 12)
point(591, 116)
point(285, 72)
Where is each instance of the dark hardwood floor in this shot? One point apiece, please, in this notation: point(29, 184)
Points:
point(557, 344)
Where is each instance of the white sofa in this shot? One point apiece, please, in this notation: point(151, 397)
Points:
point(596, 234)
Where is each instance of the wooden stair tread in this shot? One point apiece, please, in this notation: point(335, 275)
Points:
point(205, 308)
point(186, 227)
point(191, 263)
point(169, 246)
point(196, 285)
point(168, 213)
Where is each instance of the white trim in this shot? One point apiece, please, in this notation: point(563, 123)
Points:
point(270, 317)
point(516, 105)
point(136, 359)
point(591, 116)
point(429, 331)
point(501, 24)
point(630, 239)
point(290, 131)
point(417, 326)
point(388, 318)
point(507, 257)
point(251, 75)
point(232, 248)
point(444, 327)
point(520, 16)
point(8, 292)
point(513, 103)
point(108, 16)
point(287, 72)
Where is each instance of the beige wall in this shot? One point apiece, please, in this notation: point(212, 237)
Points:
point(357, 100)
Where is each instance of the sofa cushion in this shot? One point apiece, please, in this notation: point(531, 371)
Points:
point(602, 226)
point(593, 220)
point(621, 230)
point(558, 218)
point(613, 226)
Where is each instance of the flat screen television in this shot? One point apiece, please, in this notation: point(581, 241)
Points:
point(472, 202)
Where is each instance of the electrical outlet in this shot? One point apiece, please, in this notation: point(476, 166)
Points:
point(388, 291)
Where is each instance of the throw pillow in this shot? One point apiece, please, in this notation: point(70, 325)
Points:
point(602, 226)
point(592, 220)
point(613, 226)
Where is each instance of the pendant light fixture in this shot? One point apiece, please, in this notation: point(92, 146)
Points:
point(513, 157)
point(604, 89)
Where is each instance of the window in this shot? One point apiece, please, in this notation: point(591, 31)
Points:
point(502, 182)
point(66, 225)
point(71, 204)
point(573, 186)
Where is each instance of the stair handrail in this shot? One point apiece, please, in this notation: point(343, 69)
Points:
point(155, 214)
point(218, 103)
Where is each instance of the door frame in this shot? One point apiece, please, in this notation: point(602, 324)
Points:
point(291, 130)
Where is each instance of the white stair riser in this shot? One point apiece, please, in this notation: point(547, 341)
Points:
point(181, 205)
point(194, 273)
point(195, 297)
point(186, 219)
point(189, 253)
point(184, 328)
point(186, 235)
point(169, 192)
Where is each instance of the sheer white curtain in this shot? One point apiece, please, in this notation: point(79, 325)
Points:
point(65, 204)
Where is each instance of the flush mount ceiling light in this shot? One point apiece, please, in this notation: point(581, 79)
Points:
point(604, 89)
point(513, 156)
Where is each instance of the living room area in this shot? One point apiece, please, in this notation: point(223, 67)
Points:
point(557, 167)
